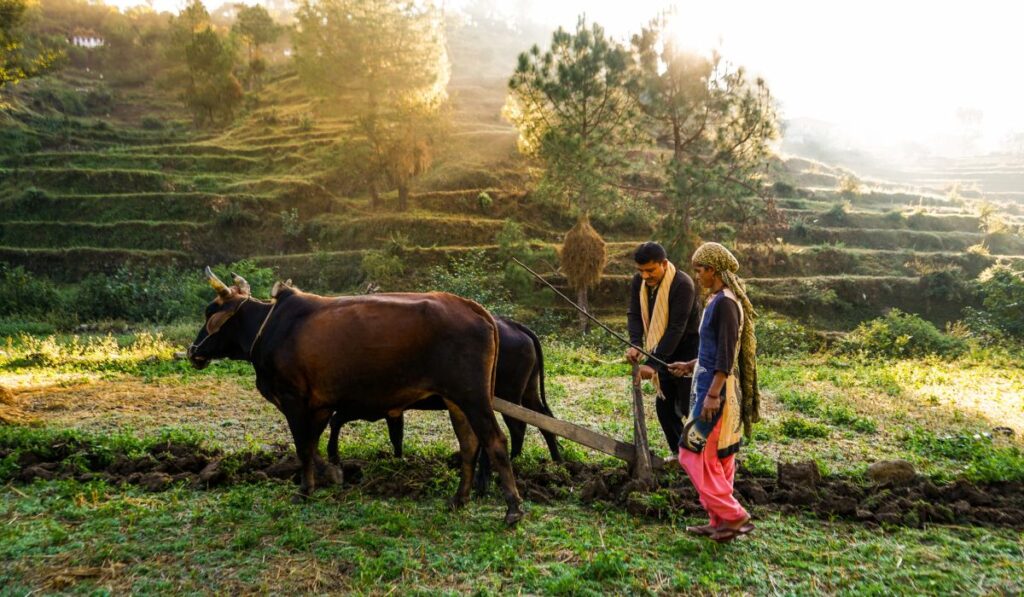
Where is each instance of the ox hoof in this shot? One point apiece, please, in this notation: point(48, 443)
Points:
point(334, 475)
point(456, 502)
point(513, 516)
point(300, 498)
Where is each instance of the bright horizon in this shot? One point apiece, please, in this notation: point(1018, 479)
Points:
point(885, 74)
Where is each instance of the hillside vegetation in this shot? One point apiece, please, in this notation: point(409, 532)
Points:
point(97, 193)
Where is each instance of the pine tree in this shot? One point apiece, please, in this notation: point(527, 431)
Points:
point(256, 28)
point(718, 126)
point(211, 91)
point(575, 116)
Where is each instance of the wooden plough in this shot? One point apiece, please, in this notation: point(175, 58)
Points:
point(637, 455)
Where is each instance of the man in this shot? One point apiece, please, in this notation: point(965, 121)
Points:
point(663, 318)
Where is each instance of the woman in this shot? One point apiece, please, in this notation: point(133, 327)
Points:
point(724, 390)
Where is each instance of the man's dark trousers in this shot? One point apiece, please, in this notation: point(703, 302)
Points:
point(674, 408)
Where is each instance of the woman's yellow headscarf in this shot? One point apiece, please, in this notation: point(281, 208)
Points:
point(725, 264)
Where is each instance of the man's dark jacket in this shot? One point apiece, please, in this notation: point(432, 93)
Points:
point(679, 342)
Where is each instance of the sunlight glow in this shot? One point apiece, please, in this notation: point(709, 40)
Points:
point(883, 73)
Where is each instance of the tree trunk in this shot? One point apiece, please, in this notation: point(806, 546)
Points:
point(403, 197)
point(375, 201)
point(581, 300)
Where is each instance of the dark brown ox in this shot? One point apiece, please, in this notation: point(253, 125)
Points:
point(367, 356)
point(520, 380)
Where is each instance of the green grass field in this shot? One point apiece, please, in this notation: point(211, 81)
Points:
point(128, 392)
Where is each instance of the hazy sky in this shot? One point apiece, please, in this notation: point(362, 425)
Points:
point(886, 71)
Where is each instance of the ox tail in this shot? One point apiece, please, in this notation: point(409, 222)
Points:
point(539, 368)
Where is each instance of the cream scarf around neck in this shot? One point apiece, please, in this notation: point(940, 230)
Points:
point(655, 322)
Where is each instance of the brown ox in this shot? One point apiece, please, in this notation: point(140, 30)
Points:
point(366, 356)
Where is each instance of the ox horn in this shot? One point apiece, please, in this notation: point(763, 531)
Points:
point(240, 282)
point(221, 288)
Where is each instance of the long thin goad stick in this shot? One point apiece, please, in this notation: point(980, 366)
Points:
point(592, 318)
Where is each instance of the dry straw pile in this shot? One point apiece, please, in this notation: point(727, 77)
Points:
point(583, 255)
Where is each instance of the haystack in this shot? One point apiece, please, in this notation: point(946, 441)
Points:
point(583, 255)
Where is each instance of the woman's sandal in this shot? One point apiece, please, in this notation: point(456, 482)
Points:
point(727, 534)
point(705, 530)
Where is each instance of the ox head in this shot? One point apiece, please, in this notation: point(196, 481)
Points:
point(220, 336)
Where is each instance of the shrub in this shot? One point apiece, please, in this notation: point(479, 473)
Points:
point(944, 285)
point(23, 294)
point(382, 266)
point(900, 335)
point(57, 97)
point(757, 464)
point(807, 403)
point(800, 428)
point(1002, 292)
point(159, 295)
point(783, 189)
point(484, 201)
point(99, 100)
point(235, 214)
point(896, 218)
point(291, 224)
point(512, 243)
point(152, 124)
point(17, 140)
point(261, 279)
point(32, 195)
point(778, 336)
point(842, 416)
point(799, 229)
point(471, 276)
point(835, 214)
point(984, 459)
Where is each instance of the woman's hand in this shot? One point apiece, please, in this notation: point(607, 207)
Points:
point(681, 368)
point(712, 403)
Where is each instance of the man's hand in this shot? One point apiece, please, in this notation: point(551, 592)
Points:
point(681, 368)
point(646, 372)
point(711, 405)
point(633, 355)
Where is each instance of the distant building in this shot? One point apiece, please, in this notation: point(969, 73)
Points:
point(87, 39)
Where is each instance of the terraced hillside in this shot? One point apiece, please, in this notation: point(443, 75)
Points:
point(275, 188)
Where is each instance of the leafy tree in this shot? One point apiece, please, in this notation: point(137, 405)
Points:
point(256, 27)
point(849, 186)
point(18, 62)
point(387, 60)
point(212, 93)
point(718, 126)
point(574, 115)
point(215, 92)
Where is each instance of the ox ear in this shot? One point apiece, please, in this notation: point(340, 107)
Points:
point(222, 289)
point(240, 282)
point(217, 320)
point(278, 287)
